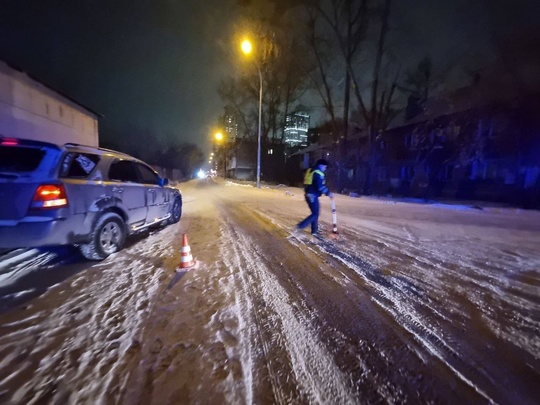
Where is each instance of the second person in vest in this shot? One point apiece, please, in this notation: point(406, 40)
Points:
point(314, 187)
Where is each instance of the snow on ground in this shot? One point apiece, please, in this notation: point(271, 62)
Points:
point(463, 283)
point(313, 368)
point(84, 335)
point(430, 265)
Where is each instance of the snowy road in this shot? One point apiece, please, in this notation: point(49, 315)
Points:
point(413, 304)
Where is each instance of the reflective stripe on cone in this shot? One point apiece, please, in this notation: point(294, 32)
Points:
point(187, 258)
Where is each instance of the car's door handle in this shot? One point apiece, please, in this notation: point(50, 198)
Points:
point(151, 190)
point(117, 190)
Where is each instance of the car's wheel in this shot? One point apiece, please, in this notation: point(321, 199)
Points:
point(176, 211)
point(108, 237)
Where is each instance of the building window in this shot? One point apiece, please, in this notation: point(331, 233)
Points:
point(407, 172)
point(381, 175)
point(509, 177)
point(411, 140)
point(447, 172)
point(491, 171)
point(478, 170)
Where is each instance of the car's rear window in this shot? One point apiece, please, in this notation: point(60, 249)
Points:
point(78, 165)
point(20, 159)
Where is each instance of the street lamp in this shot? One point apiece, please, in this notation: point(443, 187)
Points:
point(247, 49)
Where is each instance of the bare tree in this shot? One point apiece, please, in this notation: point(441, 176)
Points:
point(417, 85)
point(348, 20)
point(278, 60)
point(321, 49)
point(351, 21)
point(233, 92)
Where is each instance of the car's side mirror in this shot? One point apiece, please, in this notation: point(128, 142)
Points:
point(163, 181)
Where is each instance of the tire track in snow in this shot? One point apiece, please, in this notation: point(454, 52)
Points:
point(482, 286)
point(313, 369)
point(418, 292)
point(75, 352)
point(372, 356)
point(397, 302)
point(21, 262)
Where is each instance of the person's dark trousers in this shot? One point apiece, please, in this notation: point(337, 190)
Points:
point(313, 219)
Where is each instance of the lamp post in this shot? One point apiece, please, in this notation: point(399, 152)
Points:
point(247, 48)
point(218, 136)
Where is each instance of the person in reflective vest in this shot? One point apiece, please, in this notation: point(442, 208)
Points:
point(314, 187)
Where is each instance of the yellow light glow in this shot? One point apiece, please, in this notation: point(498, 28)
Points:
point(218, 136)
point(246, 46)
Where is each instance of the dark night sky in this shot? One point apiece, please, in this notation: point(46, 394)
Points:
point(459, 34)
point(155, 65)
point(145, 65)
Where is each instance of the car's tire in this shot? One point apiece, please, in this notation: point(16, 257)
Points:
point(176, 211)
point(108, 236)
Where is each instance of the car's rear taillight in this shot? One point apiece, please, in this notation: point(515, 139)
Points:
point(50, 196)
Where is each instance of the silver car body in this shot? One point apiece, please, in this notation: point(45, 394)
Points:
point(95, 180)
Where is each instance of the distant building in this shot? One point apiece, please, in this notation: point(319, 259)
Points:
point(229, 123)
point(296, 129)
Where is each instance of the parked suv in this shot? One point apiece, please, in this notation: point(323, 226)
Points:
point(72, 194)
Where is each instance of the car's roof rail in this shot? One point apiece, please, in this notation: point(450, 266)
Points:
point(116, 152)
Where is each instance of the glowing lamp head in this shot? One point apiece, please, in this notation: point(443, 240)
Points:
point(246, 46)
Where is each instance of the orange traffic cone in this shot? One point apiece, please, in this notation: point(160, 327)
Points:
point(187, 258)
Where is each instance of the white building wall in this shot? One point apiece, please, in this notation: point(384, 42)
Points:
point(30, 110)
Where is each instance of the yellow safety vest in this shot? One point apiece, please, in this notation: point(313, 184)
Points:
point(308, 177)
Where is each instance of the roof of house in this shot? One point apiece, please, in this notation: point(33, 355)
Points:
point(495, 85)
point(311, 148)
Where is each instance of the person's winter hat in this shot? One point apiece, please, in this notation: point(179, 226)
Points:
point(322, 162)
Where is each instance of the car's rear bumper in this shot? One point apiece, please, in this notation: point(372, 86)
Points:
point(43, 231)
